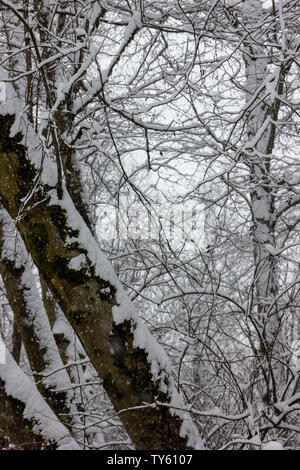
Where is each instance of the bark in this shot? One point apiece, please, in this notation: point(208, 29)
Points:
point(261, 126)
point(16, 432)
point(63, 115)
point(62, 340)
point(16, 343)
point(93, 301)
point(66, 340)
point(26, 421)
point(70, 350)
point(32, 323)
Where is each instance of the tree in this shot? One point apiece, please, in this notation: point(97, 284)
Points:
point(133, 98)
point(134, 370)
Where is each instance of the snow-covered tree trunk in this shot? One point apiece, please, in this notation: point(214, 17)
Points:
point(63, 117)
point(61, 329)
point(134, 369)
point(263, 87)
point(70, 351)
point(26, 421)
point(32, 322)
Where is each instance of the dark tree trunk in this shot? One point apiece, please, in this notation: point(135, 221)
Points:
point(54, 239)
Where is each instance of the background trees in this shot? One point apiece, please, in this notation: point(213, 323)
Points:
point(172, 103)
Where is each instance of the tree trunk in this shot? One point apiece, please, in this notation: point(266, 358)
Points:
point(26, 421)
point(133, 367)
point(16, 343)
point(32, 322)
point(262, 112)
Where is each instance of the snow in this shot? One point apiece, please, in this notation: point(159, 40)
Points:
point(159, 363)
point(260, 209)
point(271, 84)
point(125, 310)
point(95, 12)
point(251, 143)
point(14, 106)
point(272, 445)
point(14, 250)
point(20, 387)
point(78, 262)
point(39, 319)
point(2, 352)
point(134, 22)
point(69, 446)
point(80, 32)
point(55, 376)
point(271, 249)
point(11, 245)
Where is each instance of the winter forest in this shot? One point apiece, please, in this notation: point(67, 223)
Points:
point(149, 224)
